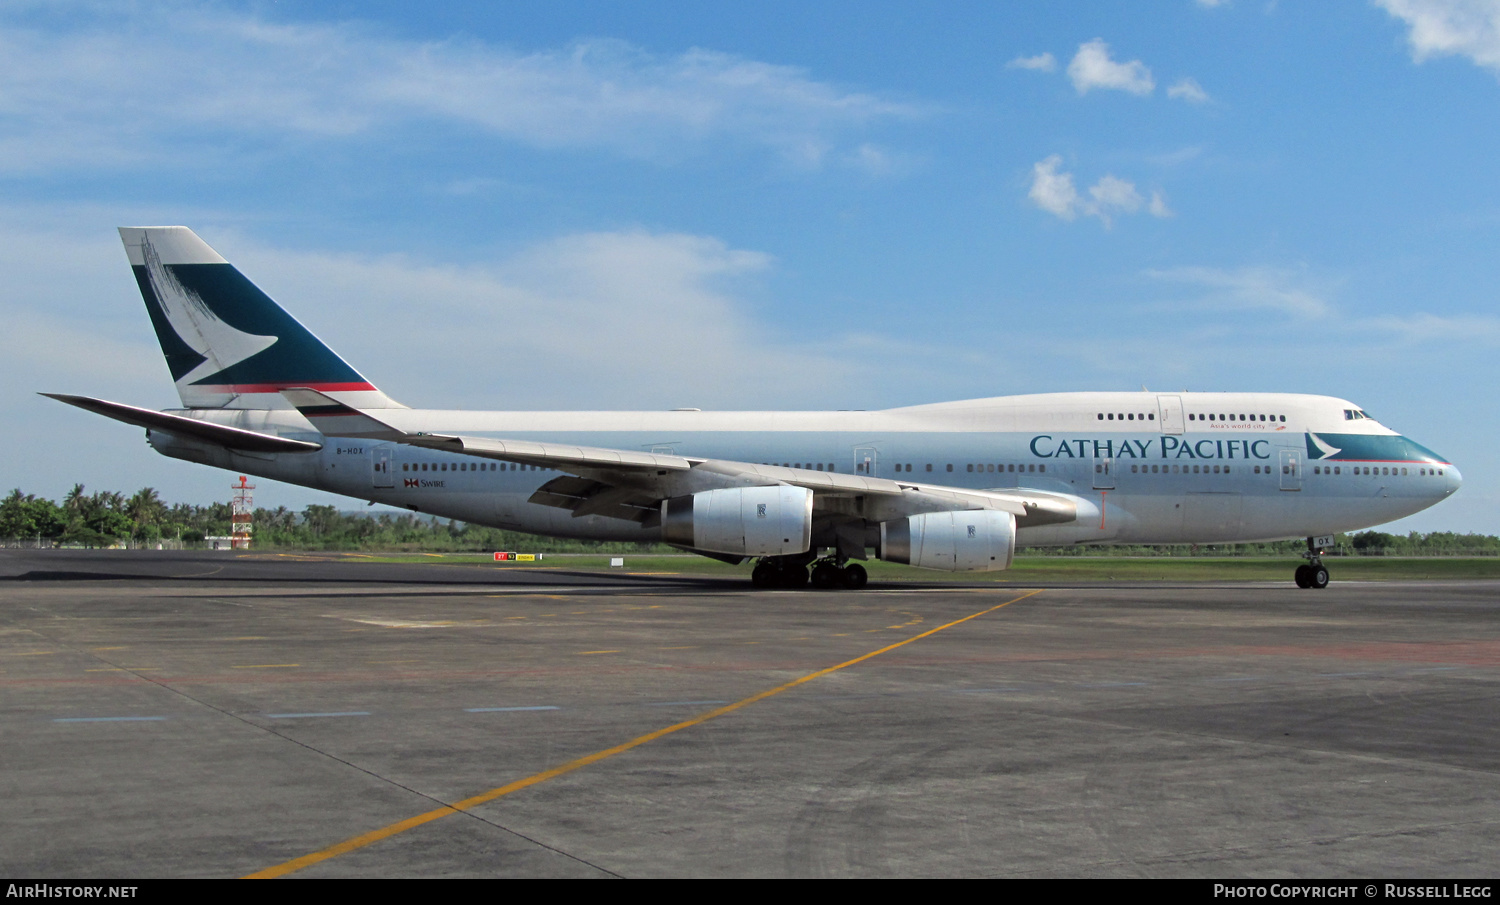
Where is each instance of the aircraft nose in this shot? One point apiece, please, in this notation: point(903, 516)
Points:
point(1454, 479)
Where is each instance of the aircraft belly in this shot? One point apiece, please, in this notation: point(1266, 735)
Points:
point(1211, 517)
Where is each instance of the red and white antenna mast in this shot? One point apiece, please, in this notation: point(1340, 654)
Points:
point(241, 510)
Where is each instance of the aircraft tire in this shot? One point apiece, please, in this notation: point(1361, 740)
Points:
point(794, 577)
point(825, 575)
point(765, 575)
point(855, 576)
point(1304, 576)
point(1317, 577)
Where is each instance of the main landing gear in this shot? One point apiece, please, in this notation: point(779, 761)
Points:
point(787, 572)
point(1312, 574)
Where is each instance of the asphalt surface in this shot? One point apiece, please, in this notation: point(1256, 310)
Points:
point(193, 714)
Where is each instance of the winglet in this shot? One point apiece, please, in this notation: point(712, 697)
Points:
point(335, 419)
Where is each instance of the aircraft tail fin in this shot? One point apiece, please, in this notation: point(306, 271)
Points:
point(227, 344)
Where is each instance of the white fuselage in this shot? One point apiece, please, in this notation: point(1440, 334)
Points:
point(1140, 467)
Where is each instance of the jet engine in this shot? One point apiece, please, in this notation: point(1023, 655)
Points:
point(981, 540)
point(749, 521)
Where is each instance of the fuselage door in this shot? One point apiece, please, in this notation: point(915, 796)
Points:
point(1104, 473)
point(1169, 410)
point(382, 476)
point(864, 461)
point(1291, 469)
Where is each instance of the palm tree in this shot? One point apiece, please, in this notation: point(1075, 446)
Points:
point(146, 508)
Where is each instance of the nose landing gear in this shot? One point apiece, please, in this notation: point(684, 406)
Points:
point(1313, 574)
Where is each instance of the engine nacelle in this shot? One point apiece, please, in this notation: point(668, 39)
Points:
point(751, 521)
point(982, 540)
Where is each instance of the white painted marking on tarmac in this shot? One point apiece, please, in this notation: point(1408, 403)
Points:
point(396, 623)
point(509, 709)
point(107, 719)
point(303, 716)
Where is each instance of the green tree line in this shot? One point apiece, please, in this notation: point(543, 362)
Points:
point(107, 518)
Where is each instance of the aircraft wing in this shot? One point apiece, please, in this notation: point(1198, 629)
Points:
point(232, 437)
point(630, 484)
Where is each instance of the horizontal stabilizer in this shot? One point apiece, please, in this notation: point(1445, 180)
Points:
point(335, 419)
point(232, 437)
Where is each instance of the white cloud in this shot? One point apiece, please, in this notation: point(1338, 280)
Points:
point(606, 319)
point(1252, 288)
point(1092, 68)
point(1042, 62)
point(1188, 90)
point(1112, 196)
point(134, 86)
point(1483, 329)
point(877, 161)
point(1467, 28)
point(1053, 191)
point(1116, 194)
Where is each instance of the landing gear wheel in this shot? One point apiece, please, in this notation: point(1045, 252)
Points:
point(826, 575)
point(765, 575)
point(1304, 576)
point(794, 577)
point(855, 576)
point(1317, 576)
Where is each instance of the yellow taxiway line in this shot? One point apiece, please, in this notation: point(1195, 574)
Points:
point(457, 807)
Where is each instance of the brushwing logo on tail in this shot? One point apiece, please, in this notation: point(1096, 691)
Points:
point(221, 345)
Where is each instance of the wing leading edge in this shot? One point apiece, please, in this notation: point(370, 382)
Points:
point(630, 484)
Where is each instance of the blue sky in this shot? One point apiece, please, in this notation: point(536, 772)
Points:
point(771, 205)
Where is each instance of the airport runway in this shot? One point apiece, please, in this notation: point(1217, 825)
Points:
point(188, 714)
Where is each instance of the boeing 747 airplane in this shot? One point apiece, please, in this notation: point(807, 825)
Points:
point(953, 486)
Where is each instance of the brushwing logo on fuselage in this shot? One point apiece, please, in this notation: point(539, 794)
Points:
point(1319, 448)
point(221, 345)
